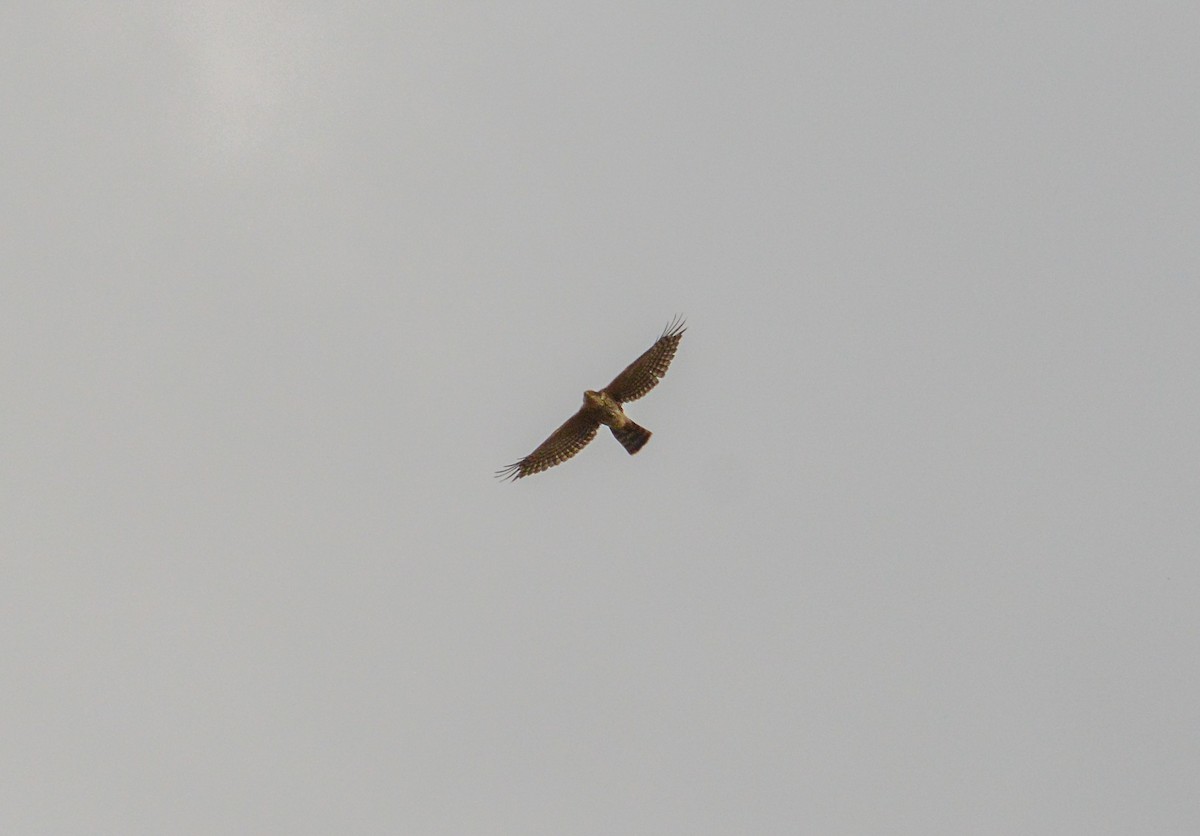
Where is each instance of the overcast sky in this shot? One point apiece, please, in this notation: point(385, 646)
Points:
point(914, 548)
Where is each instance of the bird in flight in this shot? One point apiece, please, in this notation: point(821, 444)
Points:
point(604, 407)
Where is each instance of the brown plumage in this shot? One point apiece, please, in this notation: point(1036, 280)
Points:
point(604, 407)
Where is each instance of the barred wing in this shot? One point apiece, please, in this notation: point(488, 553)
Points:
point(563, 443)
point(643, 374)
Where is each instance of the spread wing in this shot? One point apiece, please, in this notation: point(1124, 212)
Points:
point(643, 374)
point(563, 443)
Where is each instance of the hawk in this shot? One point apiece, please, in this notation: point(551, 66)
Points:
point(604, 407)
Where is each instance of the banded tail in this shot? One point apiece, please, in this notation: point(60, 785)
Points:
point(631, 436)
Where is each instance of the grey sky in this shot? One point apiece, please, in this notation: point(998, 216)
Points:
point(913, 548)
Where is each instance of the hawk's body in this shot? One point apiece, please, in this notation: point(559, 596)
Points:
point(604, 407)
